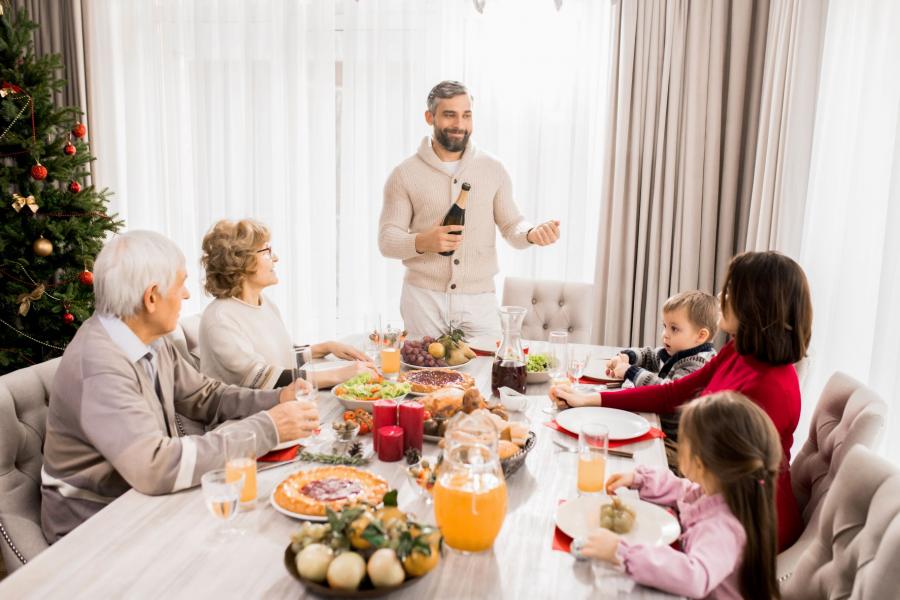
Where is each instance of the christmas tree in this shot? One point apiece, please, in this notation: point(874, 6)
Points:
point(53, 222)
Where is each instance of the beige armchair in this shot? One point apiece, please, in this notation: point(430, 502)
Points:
point(856, 545)
point(24, 395)
point(552, 305)
point(848, 414)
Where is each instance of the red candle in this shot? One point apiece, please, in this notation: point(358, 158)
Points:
point(412, 420)
point(384, 413)
point(390, 446)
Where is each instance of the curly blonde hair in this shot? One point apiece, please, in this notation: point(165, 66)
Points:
point(230, 255)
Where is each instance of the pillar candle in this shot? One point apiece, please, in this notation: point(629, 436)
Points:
point(390, 445)
point(412, 421)
point(384, 413)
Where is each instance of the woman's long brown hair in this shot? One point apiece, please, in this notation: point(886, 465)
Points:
point(737, 444)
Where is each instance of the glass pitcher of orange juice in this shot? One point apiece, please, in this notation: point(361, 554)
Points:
point(470, 491)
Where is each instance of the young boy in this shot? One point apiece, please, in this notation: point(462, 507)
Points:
point(689, 324)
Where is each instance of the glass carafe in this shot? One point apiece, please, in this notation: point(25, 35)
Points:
point(509, 362)
point(470, 491)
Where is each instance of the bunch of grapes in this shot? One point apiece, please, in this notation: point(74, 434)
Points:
point(416, 353)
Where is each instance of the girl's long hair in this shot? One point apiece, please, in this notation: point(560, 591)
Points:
point(738, 445)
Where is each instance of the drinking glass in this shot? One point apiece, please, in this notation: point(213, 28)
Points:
point(593, 445)
point(240, 462)
point(221, 494)
point(577, 363)
point(305, 388)
point(557, 357)
point(390, 352)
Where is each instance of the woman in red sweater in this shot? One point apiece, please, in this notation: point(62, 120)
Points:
point(766, 308)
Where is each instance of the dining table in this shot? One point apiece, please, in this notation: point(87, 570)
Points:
point(169, 546)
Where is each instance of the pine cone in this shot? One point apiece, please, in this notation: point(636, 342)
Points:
point(412, 456)
point(356, 449)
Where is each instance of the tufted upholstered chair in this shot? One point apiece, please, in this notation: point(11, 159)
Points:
point(856, 547)
point(24, 395)
point(848, 413)
point(552, 305)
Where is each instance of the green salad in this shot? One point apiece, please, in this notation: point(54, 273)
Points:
point(366, 386)
point(537, 363)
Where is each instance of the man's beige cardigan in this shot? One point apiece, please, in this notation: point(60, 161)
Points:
point(107, 431)
point(417, 196)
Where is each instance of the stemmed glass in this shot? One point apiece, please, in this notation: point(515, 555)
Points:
point(222, 497)
point(303, 374)
point(557, 356)
point(372, 328)
point(577, 363)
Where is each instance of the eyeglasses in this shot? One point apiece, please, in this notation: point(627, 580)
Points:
point(266, 250)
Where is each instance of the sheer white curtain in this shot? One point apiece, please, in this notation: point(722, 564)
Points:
point(850, 243)
point(210, 109)
point(294, 112)
point(539, 78)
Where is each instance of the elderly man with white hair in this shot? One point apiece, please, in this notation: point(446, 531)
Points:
point(112, 422)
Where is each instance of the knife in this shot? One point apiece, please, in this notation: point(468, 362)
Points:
point(612, 452)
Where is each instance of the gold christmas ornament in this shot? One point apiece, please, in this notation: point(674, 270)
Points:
point(42, 246)
point(19, 203)
point(25, 300)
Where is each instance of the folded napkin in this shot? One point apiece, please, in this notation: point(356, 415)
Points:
point(601, 380)
point(280, 455)
point(654, 433)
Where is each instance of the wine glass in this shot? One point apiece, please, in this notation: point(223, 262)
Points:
point(372, 329)
point(557, 357)
point(305, 388)
point(221, 496)
point(577, 363)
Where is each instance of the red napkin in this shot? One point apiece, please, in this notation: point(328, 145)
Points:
point(654, 433)
point(280, 455)
point(561, 541)
point(486, 353)
point(601, 380)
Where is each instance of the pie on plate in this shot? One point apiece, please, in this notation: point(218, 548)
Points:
point(428, 381)
point(308, 493)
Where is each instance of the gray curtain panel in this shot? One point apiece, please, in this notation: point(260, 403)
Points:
point(60, 32)
point(687, 82)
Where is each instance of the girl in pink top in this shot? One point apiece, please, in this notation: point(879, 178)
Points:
point(730, 452)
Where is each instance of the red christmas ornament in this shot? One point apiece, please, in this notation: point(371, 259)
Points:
point(86, 277)
point(74, 187)
point(79, 130)
point(39, 172)
point(68, 318)
point(69, 149)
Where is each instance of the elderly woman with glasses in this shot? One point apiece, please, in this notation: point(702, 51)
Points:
point(243, 339)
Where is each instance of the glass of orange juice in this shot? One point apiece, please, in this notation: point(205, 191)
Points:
point(593, 445)
point(390, 352)
point(240, 461)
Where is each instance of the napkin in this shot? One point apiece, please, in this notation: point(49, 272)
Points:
point(654, 433)
point(280, 455)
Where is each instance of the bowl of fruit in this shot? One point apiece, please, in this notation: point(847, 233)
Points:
point(363, 552)
point(448, 350)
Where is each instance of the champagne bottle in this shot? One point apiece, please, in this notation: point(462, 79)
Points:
point(457, 213)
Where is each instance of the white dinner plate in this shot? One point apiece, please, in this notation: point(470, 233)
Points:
point(653, 525)
point(623, 425)
point(326, 365)
point(292, 514)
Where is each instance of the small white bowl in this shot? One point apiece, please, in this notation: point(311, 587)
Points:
point(513, 402)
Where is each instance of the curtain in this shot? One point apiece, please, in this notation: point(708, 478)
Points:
point(211, 109)
point(60, 32)
point(784, 138)
point(680, 148)
point(538, 76)
point(850, 245)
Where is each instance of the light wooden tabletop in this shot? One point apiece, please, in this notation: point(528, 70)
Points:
point(167, 546)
